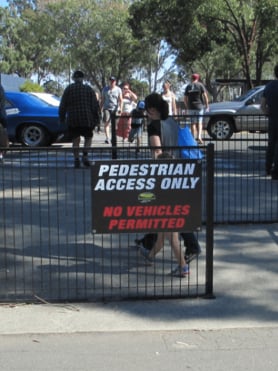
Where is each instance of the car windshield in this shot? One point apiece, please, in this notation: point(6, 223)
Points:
point(247, 95)
point(50, 99)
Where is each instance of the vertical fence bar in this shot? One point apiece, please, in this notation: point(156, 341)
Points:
point(113, 136)
point(209, 220)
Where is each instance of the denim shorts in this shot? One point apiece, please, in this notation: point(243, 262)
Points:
point(195, 116)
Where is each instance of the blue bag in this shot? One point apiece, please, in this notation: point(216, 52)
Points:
point(185, 139)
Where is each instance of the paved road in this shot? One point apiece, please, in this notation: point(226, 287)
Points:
point(238, 330)
point(218, 350)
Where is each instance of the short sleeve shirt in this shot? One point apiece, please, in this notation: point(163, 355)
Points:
point(111, 97)
point(154, 128)
point(194, 92)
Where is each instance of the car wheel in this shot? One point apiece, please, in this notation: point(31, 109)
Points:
point(221, 128)
point(34, 136)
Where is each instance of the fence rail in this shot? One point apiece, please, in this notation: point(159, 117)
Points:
point(48, 251)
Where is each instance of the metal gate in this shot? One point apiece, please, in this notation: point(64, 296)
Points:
point(48, 251)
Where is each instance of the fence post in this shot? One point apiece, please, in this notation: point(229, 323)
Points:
point(209, 219)
point(113, 136)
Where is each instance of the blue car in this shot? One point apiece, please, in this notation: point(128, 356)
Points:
point(33, 118)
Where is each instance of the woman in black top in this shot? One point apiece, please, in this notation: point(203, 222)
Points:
point(157, 110)
point(162, 130)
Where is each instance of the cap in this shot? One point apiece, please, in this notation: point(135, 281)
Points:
point(112, 78)
point(195, 76)
point(141, 105)
point(78, 74)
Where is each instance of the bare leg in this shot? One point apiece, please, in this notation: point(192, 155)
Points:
point(87, 144)
point(199, 132)
point(176, 247)
point(158, 245)
point(194, 130)
point(75, 146)
point(107, 129)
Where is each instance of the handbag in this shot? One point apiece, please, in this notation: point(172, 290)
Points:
point(186, 139)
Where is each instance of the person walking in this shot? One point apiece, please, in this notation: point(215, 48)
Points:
point(111, 103)
point(79, 108)
point(163, 132)
point(4, 141)
point(170, 98)
point(196, 103)
point(137, 122)
point(269, 105)
point(128, 101)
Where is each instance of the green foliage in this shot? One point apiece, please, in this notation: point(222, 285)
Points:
point(53, 87)
point(140, 88)
point(219, 38)
point(31, 86)
point(242, 32)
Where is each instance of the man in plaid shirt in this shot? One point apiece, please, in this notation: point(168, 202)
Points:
point(79, 108)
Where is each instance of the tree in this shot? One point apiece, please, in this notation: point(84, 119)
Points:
point(96, 38)
point(247, 27)
point(91, 35)
point(29, 45)
point(174, 23)
point(252, 25)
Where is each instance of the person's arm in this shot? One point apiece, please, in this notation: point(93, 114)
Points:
point(206, 101)
point(120, 102)
point(185, 99)
point(132, 95)
point(155, 142)
point(3, 115)
point(63, 107)
point(174, 105)
point(101, 103)
point(264, 106)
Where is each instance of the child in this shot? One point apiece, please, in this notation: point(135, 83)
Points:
point(137, 120)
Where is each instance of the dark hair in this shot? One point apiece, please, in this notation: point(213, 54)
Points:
point(155, 100)
point(78, 75)
point(125, 83)
point(276, 71)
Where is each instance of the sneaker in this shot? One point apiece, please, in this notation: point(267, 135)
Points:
point(76, 163)
point(145, 253)
point(181, 272)
point(107, 141)
point(191, 256)
point(86, 162)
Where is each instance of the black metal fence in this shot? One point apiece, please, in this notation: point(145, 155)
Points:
point(48, 251)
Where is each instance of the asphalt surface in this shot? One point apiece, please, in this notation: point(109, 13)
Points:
point(237, 330)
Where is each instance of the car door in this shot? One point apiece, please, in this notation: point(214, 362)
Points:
point(254, 119)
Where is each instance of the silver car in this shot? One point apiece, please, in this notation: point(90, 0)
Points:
point(242, 114)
